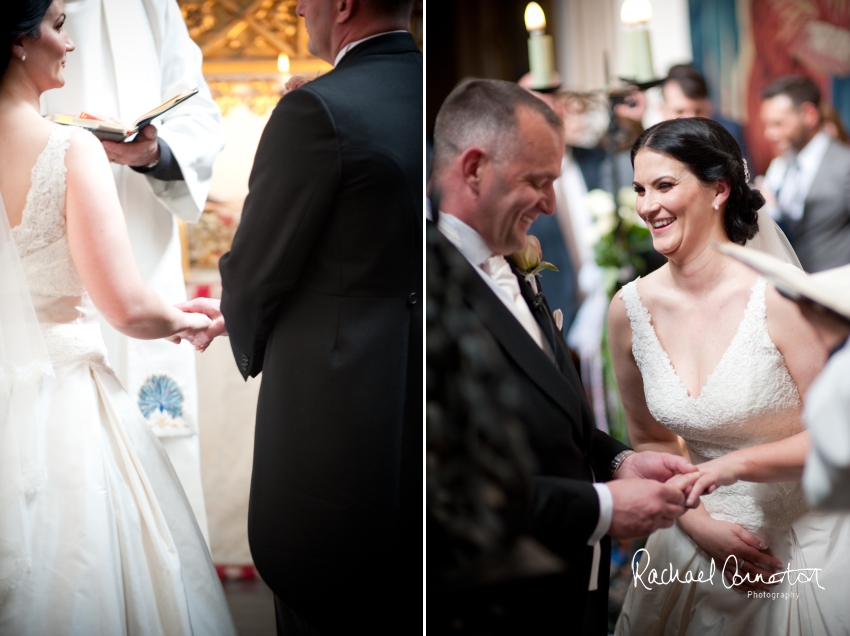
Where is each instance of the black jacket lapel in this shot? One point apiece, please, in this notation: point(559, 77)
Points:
point(543, 315)
point(513, 337)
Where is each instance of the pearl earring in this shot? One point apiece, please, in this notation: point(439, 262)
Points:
point(23, 57)
point(716, 207)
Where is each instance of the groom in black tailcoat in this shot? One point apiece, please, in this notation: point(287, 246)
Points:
point(321, 292)
point(497, 152)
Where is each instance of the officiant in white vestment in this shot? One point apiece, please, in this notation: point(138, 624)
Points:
point(131, 56)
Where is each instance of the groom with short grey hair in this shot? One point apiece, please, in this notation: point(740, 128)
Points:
point(497, 152)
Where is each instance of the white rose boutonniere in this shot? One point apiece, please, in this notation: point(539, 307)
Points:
point(529, 260)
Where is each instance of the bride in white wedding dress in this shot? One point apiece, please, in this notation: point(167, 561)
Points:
point(713, 363)
point(96, 534)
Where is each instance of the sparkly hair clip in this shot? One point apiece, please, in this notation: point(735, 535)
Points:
point(746, 171)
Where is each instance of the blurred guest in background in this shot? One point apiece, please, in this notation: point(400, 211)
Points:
point(810, 178)
point(567, 238)
point(832, 124)
point(686, 94)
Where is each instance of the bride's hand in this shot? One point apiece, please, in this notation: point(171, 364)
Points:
point(720, 539)
point(295, 82)
point(192, 325)
point(211, 308)
point(723, 471)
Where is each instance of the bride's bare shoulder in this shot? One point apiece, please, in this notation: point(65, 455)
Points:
point(654, 284)
point(782, 314)
point(85, 152)
point(83, 140)
point(795, 338)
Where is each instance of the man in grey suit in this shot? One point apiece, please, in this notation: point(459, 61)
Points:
point(810, 177)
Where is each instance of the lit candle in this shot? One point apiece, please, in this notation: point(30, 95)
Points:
point(283, 63)
point(637, 52)
point(541, 53)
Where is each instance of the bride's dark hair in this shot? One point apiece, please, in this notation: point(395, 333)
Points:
point(22, 18)
point(710, 153)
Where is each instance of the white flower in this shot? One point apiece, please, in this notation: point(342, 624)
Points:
point(604, 225)
point(630, 217)
point(600, 203)
point(627, 197)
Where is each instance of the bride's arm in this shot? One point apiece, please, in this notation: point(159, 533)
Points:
point(644, 432)
point(805, 355)
point(100, 249)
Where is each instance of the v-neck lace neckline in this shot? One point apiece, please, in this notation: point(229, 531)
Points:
point(719, 366)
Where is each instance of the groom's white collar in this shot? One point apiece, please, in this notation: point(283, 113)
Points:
point(344, 50)
point(467, 241)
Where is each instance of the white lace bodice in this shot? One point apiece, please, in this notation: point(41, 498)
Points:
point(42, 243)
point(749, 399)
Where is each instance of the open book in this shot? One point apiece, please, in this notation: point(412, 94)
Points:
point(111, 131)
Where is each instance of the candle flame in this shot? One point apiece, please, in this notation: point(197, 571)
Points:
point(636, 11)
point(535, 20)
point(283, 63)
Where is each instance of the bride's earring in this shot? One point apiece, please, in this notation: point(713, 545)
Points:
point(716, 207)
point(23, 57)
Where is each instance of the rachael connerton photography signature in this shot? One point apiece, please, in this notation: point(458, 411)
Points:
point(670, 575)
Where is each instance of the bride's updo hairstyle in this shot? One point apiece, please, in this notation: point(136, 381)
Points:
point(710, 153)
point(23, 17)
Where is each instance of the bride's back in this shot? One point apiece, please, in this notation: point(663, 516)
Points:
point(25, 136)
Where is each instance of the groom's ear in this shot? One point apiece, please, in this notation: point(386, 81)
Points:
point(346, 9)
point(472, 164)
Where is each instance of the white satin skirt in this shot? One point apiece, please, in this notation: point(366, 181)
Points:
point(113, 545)
point(815, 541)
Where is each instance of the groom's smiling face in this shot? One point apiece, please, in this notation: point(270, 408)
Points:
point(517, 189)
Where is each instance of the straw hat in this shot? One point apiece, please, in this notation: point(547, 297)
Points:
point(830, 288)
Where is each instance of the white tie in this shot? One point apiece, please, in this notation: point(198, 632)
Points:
point(790, 200)
point(498, 268)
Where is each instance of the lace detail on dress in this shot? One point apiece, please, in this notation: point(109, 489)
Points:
point(749, 399)
point(41, 236)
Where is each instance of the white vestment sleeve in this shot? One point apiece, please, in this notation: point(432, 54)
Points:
point(826, 478)
point(193, 130)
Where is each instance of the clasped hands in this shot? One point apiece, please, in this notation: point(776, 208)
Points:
point(202, 339)
point(651, 490)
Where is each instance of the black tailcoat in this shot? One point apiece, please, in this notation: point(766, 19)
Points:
point(322, 294)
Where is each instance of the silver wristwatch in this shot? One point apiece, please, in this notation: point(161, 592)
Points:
point(619, 459)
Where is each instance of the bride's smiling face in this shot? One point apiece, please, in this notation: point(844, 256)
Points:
point(45, 55)
point(678, 209)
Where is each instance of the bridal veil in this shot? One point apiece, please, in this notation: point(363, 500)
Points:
point(772, 240)
point(25, 371)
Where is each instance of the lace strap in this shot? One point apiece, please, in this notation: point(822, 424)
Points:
point(637, 313)
point(755, 313)
point(644, 341)
point(47, 188)
point(51, 162)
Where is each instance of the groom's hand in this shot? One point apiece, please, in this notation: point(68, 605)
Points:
point(642, 506)
point(655, 466)
point(210, 308)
